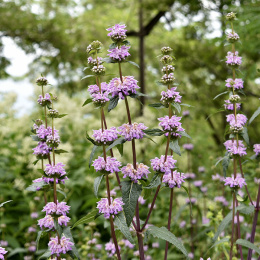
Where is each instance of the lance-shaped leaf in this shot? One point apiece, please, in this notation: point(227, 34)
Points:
point(184, 134)
point(88, 76)
point(130, 194)
point(120, 222)
point(61, 115)
point(89, 100)
point(90, 139)
point(41, 233)
point(113, 103)
point(92, 155)
point(154, 132)
point(174, 145)
point(86, 219)
point(118, 141)
point(58, 228)
point(37, 186)
point(2, 204)
point(156, 105)
point(46, 255)
point(155, 182)
point(245, 136)
point(97, 182)
point(59, 151)
point(221, 241)
point(223, 93)
point(67, 233)
point(256, 113)
point(165, 234)
point(35, 138)
point(133, 63)
point(177, 107)
point(225, 163)
point(248, 244)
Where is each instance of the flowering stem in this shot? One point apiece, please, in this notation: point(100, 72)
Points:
point(238, 233)
point(252, 238)
point(139, 234)
point(169, 224)
point(233, 226)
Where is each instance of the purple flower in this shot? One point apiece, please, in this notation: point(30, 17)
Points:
point(42, 150)
point(229, 106)
point(135, 174)
point(122, 89)
point(42, 81)
point(58, 180)
point(3, 243)
point(257, 149)
point(167, 78)
point(56, 170)
point(173, 179)
point(236, 123)
point(232, 37)
point(222, 200)
point(92, 241)
point(217, 177)
point(43, 132)
point(128, 244)
point(191, 255)
point(141, 200)
point(119, 54)
point(34, 215)
point(60, 209)
point(155, 245)
point(197, 183)
point(241, 219)
point(109, 166)
point(235, 182)
point(133, 131)
point(32, 247)
point(100, 99)
point(93, 62)
point(31, 230)
point(236, 84)
point(53, 141)
point(204, 189)
point(170, 96)
point(168, 68)
point(44, 101)
point(235, 148)
point(46, 222)
point(160, 165)
point(205, 221)
point(114, 208)
point(190, 175)
point(63, 247)
point(191, 200)
point(182, 224)
point(233, 59)
point(110, 248)
point(94, 89)
point(188, 147)
point(186, 113)
point(106, 137)
point(201, 169)
point(63, 220)
point(2, 253)
point(117, 32)
point(171, 125)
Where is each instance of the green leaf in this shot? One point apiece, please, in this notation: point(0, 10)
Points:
point(89, 100)
point(92, 155)
point(165, 234)
point(256, 113)
point(67, 233)
point(45, 255)
point(223, 93)
point(246, 209)
point(120, 140)
point(156, 105)
point(112, 46)
point(58, 228)
point(126, 42)
point(130, 194)
point(225, 163)
point(35, 162)
point(86, 219)
point(223, 240)
point(154, 132)
point(120, 148)
point(36, 186)
point(62, 192)
point(88, 76)
point(184, 134)
point(113, 103)
point(59, 151)
point(133, 63)
point(41, 234)
point(97, 182)
point(41, 171)
point(175, 147)
point(62, 115)
point(109, 60)
point(145, 136)
point(240, 199)
point(244, 134)
point(120, 222)
point(248, 244)
point(2, 204)
point(177, 107)
point(187, 191)
point(186, 105)
point(35, 138)
point(17, 251)
point(90, 139)
point(155, 182)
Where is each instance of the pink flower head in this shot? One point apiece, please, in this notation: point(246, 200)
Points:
point(44, 101)
point(63, 247)
point(229, 106)
point(217, 177)
point(171, 125)
point(94, 89)
point(43, 132)
point(46, 222)
point(190, 175)
point(239, 121)
point(188, 147)
point(197, 183)
point(60, 209)
point(107, 136)
point(2, 253)
point(232, 37)
point(160, 165)
point(42, 150)
point(133, 131)
point(63, 220)
point(57, 169)
point(174, 179)
point(100, 99)
point(141, 200)
point(233, 59)
point(119, 54)
point(170, 96)
point(110, 165)
point(222, 200)
point(113, 209)
point(236, 84)
point(257, 149)
point(117, 32)
point(235, 182)
point(135, 174)
point(235, 148)
point(122, 89)
point(111, 249)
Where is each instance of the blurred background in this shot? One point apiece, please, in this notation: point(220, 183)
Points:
point(50, 37)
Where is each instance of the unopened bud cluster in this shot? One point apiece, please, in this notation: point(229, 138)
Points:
point(53, 113)
point(231, 16)
point(166, 50)
point(42, 81)
point(234, 98)
point(95, 45)
point(99, 70)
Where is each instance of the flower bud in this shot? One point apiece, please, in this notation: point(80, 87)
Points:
point(234, 98)
point(168, 69)
point(42, 81)
point(236, 129)
point(231, 16)
point(166, 50)
point(95, 45)
point(53, 141)
point(53, 113)
point(166, 59)
point(167, 79)
point(38, 122)
point(99, 70)
point(232, 37)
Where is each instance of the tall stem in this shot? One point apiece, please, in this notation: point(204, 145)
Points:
point(233, 227)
